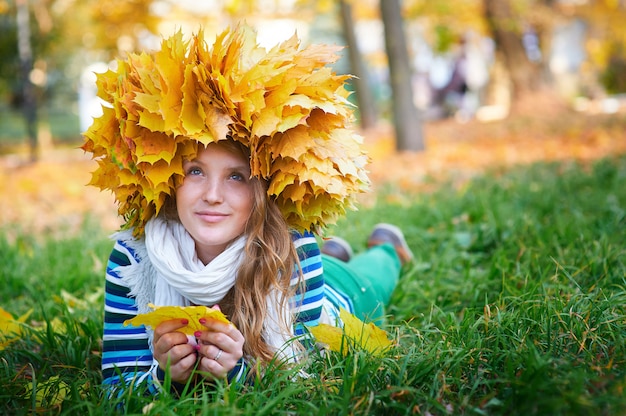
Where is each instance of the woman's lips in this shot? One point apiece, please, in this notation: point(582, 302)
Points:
point(209, 216)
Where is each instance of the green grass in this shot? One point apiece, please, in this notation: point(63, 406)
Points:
point(515, 305)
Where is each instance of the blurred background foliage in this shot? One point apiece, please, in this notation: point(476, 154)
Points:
point(573, 49)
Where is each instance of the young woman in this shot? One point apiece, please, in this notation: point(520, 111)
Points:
point(219, 198)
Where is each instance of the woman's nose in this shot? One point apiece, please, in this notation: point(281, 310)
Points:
point(213, 191)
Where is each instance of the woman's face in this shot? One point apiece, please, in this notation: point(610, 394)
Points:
point(216, 198)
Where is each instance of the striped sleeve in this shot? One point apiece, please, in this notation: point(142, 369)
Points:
point(126, 356)
point(306, 303)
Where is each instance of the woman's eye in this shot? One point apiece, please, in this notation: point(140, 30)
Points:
point(237, 177)
point(193, 171)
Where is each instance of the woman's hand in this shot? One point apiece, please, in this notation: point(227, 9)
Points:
point(173, 347)
point(220, 347)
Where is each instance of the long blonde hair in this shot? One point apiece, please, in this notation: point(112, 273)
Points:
point(269, 261)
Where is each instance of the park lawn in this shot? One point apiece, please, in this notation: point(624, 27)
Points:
point(515, 305)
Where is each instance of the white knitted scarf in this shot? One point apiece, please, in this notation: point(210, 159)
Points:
point(182, 279)
point(175, 276)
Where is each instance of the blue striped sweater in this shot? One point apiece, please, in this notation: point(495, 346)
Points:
point(126, 356)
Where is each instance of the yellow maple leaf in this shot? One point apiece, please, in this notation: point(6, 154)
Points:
point(331, 336)
point(280, 181)
point(73, 302)
point(161, 314)
point(151, 121)
point(153, 147)
point(295, 192)
point(11, 328)
point(281, 94)
point(171, 79)
point(50, 393)
point(217, 125)
point(148, 101)
point(266, 122)
point(157, 173)
point(192, 115)
point(355, 333)
point(291, 118)
point(294, 143)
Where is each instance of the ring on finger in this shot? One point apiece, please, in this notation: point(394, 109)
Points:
point(218, 355)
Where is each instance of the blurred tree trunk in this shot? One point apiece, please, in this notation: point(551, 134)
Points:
point(507, 30)
point(365, 100)
point(29, 101)
point(406, 117)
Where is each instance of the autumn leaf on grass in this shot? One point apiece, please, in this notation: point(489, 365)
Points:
point(10, 328)
point(168, 313)
point(73, 302)
point(49, 394)
point(355, 332)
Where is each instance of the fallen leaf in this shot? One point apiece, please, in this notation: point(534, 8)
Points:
point(50, 393)
point(354, 333)
point(11, 328)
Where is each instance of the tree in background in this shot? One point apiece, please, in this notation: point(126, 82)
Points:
point(406, 118)
point(18, 80)
point(507, 28)
point(27, 90)
point(366, 105)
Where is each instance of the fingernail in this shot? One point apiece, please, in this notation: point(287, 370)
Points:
point(197, 347)
point(217, 307)
point(197, 334)
point(184, 321)
point(202, 320)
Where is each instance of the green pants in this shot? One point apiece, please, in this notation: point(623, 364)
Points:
point(368, 279)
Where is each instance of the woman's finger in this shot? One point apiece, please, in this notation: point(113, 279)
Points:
point(212, 369)
point(220, 327)
point(170, 326)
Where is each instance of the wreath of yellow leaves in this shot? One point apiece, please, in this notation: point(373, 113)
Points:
point(286, 105)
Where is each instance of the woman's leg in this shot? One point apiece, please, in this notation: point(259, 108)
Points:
point(370, 278)
point(380, 267)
